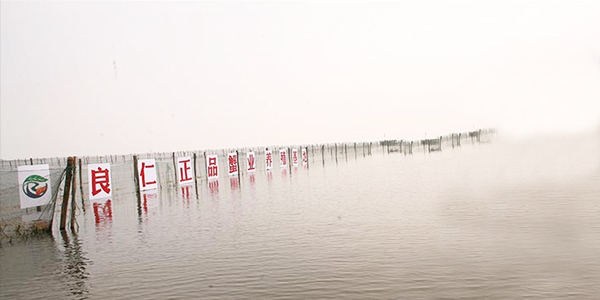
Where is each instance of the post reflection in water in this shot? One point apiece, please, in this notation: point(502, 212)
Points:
point(75, 266)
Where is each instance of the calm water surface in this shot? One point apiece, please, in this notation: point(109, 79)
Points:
point(493, 221)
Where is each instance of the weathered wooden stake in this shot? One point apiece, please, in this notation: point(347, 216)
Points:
point(136, 176)
point(205, 165)
point(237, 157)
point(66, 192)
point(307, 163)
point(81, 185)
point(73, 191)
point(175, 167)
point(336, 152)
point(195, 174)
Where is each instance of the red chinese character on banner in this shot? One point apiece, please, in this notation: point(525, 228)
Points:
point(269, 159)
point(213, 170)
point(143, 174)
point(100, 178)
point(283, 157)
point(183, 171)
point(295, 157)
point(233, 167)
point(251, 162)
point(304, 156)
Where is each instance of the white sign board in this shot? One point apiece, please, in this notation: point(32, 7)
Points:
point(99, 181)
point(304, 157)
point(268, 160)
point(232, 163)
point(35, 188)
point(147, 174)
point(283, 158)
point(185, 169)
point(294, 157)
point(212, 166)
point(251, 162)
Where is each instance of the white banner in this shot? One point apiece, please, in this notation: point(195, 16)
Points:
point(304, 157)
point(251, 162)
point(283, 158)
point(35, 188)
point(212, 166)
point(147, 174)
point(185, 172)
point(232, 163)
point(294, 157)
point(268, 160)
point(99, 181)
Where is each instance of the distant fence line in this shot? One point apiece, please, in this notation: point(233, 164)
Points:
point(124, 173)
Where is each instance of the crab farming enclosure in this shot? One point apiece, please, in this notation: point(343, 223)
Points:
point(469, 216)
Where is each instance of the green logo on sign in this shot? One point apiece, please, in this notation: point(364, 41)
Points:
point(35, 186)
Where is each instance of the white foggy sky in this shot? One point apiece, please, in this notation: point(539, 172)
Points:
point(197, 75)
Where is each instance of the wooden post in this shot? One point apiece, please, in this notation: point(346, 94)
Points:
point(336, 152)
point(31, 160)
point(66, 192)
point(205, 165)
point(307, 157)
point(81, 185)
point(289, 156)
point(73, 191)
point(136, 176)
point(453, 141)
point(195, 174)
point(175, 168)
point(237, 157)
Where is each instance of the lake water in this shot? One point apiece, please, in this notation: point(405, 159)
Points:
point(501, 220)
